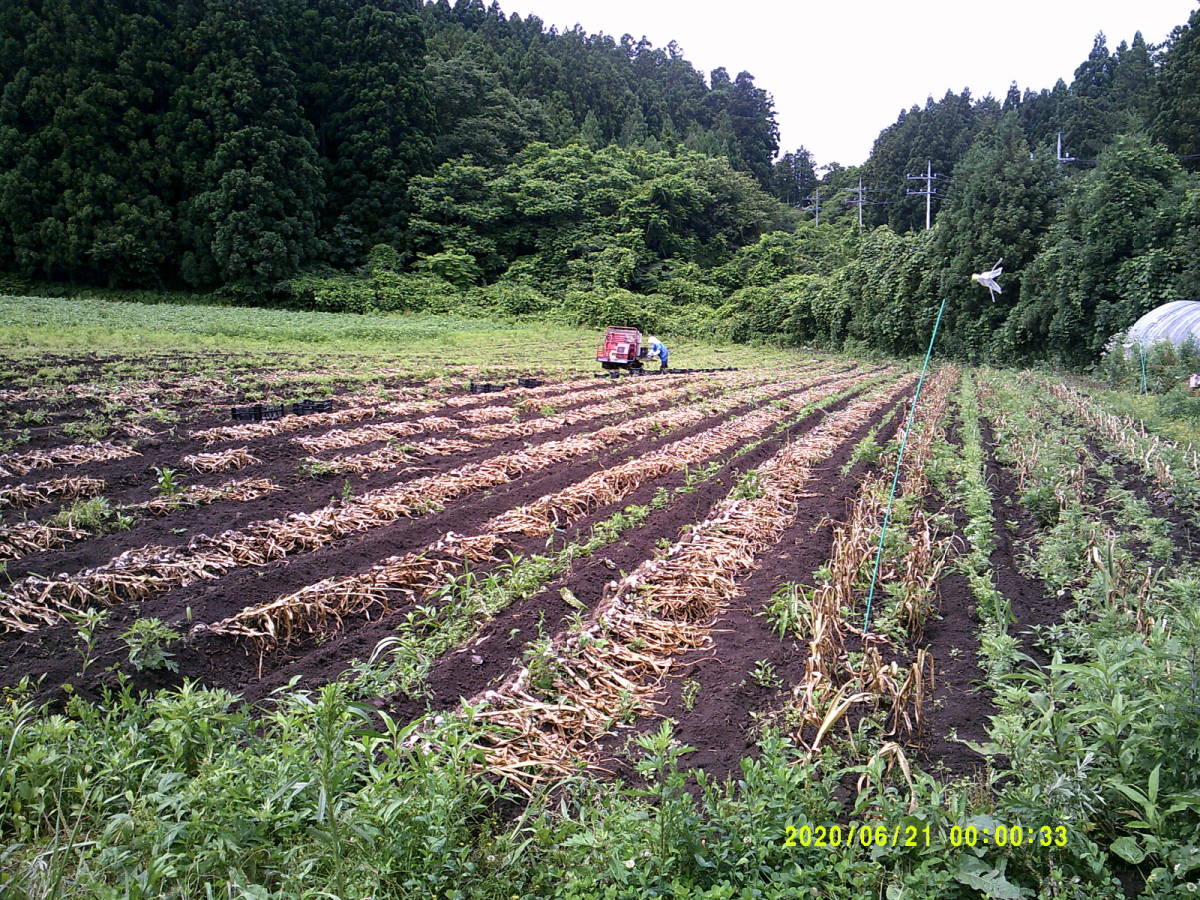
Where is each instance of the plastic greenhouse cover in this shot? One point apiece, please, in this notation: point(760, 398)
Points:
point(1175, 322)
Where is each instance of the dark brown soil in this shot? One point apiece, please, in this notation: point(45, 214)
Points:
point(462, 674)
point(224, 662)
point(1031, 607)
point(719, 724)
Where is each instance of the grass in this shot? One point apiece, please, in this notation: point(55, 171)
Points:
point(427, 344)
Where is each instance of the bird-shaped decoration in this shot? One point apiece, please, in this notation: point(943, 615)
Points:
point(988, 279)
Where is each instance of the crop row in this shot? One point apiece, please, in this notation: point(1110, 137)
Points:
point(412, 402)
point(833, 681)
point(68, 488)
point(22, 538)
point(72, 455)
point(141, 572)
point(409, 576)
point(550, 712)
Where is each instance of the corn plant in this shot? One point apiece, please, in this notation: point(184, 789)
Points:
point(88, 625)
point(168, 481)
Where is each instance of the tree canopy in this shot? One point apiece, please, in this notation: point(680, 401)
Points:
point(394, 154)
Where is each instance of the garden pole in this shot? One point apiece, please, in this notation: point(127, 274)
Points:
point(1142, 354)
point(887, 516)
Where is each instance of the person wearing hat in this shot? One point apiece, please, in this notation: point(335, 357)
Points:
point(659, 349)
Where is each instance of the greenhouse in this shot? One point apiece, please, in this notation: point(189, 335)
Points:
point(1176, 322)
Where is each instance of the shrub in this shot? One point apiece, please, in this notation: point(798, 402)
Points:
point(382, 291)
point(616, 307)
point(508, 298)
point(455, 266)
point(384, 258)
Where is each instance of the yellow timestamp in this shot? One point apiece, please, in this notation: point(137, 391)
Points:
point(880, 835)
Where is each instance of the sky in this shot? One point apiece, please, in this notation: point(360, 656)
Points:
point(842, 71)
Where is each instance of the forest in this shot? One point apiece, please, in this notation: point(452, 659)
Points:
point(382, 155)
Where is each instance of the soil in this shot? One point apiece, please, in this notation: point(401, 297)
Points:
point(719, 723)
point(1015, 527)
point(231, 664)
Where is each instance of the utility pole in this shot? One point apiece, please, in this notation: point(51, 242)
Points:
point(928, 178)
point(1059, 158)
point(816, 199)
point(858, 201)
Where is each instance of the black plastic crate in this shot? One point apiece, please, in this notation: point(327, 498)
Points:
point(304, 407)
point(529, 382)
point(257, 413)
point(485, 388)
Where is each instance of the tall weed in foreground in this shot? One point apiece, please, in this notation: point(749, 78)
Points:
point(172, 794)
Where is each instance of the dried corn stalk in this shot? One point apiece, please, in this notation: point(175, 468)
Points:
point(390, 457)
point(72, 455)
point(141, 572)
point(661, 609)
point(137, 573)
point(1129, 436)
point(410, 576)
point(488, 414)
point(827, 674)
point(606, 409)
point(22, 538)
point(608, 485)
point(386, 431)
point(241, 490)
point(308, 610)
point(254, 430)
point(71, 488)
point(222, 460)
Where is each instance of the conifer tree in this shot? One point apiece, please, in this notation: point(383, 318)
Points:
point(1177, 118)
point(251, 175)
point(1002, 205)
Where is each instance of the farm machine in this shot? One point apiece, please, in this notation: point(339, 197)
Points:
point(622, 348)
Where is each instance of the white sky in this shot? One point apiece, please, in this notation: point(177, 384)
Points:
point(841, 70)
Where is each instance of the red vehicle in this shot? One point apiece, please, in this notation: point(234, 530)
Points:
point(621, 348)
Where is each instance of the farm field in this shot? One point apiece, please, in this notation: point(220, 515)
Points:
point(586, 637)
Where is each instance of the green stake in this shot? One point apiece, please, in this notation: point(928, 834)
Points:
point(1142, 354)
point(887, 516)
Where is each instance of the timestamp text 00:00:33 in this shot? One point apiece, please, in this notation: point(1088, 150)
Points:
point(923, 836)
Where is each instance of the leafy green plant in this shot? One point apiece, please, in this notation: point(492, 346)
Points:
point(689, 694)
point(33, 417)
point(675, 813)
point(21, 437)
point(95, 515)
point(542, 663)
point(168, 481)
point(147, 641)
point(693, 478)
point(764, 675)
point(88, 625)
point(94, 429)
point(749, 486)
point(312, 467)
point(788, 609)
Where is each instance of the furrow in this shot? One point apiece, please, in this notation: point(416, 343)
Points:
point(550, 711)
point(141, 572)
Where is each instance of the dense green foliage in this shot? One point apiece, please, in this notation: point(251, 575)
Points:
point(222, 143)
point(389, 155)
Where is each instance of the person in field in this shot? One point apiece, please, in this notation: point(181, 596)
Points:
point(659, 349)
